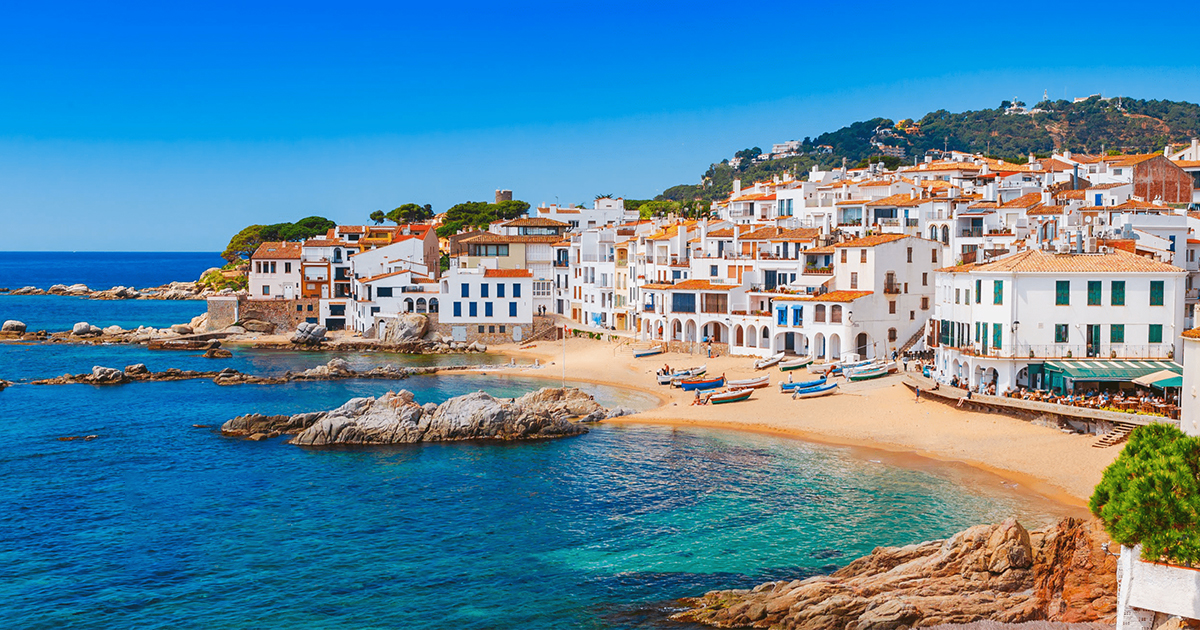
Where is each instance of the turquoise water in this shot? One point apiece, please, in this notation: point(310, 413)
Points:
point(160, 524)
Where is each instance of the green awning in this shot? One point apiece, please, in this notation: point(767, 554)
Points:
point(1175, 381)
point(1114, 371)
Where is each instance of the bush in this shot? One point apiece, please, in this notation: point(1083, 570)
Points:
point(1151, 495)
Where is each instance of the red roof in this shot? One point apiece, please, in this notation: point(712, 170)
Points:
point(507, 273)
point(277, 250)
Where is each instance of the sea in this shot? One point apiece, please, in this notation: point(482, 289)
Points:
point(160, 522)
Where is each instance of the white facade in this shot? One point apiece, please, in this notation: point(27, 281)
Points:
point(488, 297)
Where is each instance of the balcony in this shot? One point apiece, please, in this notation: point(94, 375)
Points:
point(888, 222)
point(892, 288)
point(972, 233)
point(1104, 351)
point(818, 271)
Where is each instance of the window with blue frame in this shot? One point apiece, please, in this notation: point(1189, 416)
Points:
point(516, 290)
point(483, 290)
point(458, 309)
point(798, 316)
point(499, 289)
point(473, 309)
point(487, 309)
point(782, 316)
point(683, 302)
point(512, 309)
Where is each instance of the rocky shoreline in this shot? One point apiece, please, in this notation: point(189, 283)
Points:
point(335, 369)
point(396, 418)
point(169, 291)
point(1000, 573)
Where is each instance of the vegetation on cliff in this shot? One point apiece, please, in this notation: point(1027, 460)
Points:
point(250, 237)
point(1151, 495)
point(1091, 126)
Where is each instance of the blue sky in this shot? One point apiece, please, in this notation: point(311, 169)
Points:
point(165, 127)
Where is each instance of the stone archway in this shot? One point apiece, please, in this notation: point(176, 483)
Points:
point(752, 337)
point(819, 345)
point(835, 347)
point(739, 336)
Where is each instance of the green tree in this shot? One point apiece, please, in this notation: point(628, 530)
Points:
point(410, 213)
point(508, 210)
point(244, 243)
point(305, 228)
point(1150, 495)
point(378, 217)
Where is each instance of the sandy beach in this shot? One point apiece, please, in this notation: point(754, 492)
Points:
point(878, 414)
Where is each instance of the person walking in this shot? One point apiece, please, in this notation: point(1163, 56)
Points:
point(918, 393)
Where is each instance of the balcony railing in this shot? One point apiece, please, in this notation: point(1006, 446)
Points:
point(892, 288)
point(972, 233)
point(1104, 351)
point(819, 271)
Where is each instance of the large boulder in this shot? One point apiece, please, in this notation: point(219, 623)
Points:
point(28, 291)
point(112, 330)
point(308, 334)
point(396, 418)
point(78, 289)
point(82, 329)
point(182, 329)
point(13, 326)
point(199, 323)
point(107, 375)
point(1000, 573)
point(258, 326)
point(217, 353)
point(117, 293)
point(405, 327)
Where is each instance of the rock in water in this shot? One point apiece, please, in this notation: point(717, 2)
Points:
point(106, 375)
point(308, 334)
point(137, 368)
point(398, 419)
point(13, 326)
point(258, 326)
point(998, 573)
point(217, 353)
point(405, 327)
point(82, 329)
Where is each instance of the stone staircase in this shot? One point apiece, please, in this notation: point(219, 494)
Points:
point(1119, 434)
point(912, 341)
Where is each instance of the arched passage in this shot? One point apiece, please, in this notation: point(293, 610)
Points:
point(835, 347)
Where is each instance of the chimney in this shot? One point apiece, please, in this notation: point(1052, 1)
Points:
point(1067, 154)
point(737, 187)
point(1031, 159)
point(928, 159)
point(1195, 149)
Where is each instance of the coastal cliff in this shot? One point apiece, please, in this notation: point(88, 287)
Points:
point(395, 418)
point(1000, 573)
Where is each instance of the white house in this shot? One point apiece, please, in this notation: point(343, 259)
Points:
point(1046, 320)
point(275, 271)
point(491, 304)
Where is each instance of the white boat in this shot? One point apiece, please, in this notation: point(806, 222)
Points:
point(678, 375)
point(750, 383)
point(871, 371)
point(824, 390)
point(770, 361)
point(795, 364)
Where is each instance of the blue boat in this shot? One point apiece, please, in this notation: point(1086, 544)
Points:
point(647, 353)
point(787, 387)
point(703, 383)
point(813, 392)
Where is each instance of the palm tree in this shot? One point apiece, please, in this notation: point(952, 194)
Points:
point(608, 196)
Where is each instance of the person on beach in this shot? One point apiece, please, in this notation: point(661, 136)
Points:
point(918, 393)
point(697, 400)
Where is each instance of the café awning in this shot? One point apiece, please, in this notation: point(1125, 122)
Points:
point(1161, 379)
point(1114, 371)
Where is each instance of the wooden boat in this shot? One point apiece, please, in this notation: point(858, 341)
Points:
point(833, 369)
point(787, 387)
point(674, 377)
point(703, 383)
point(750, 383)
point(869, 372)
point(795, 364)
point(814, 392)
point(647, 353)
point(733, 395)
point(770, 361)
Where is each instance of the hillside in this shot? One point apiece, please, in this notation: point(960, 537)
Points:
point(1090, 126)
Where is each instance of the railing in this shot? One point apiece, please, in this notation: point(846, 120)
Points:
point(662, 260)
point(973, 232)
point(1118, 351)
point(712, 310)
point(562, 263)
point(819, 271)
point(892, 289)
point(649, 308)
point(1192, 294)
point(912, 223)
point(888, 222)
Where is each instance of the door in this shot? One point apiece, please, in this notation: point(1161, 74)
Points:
point(287, 292)
point(769, 279)
point(1093, 340)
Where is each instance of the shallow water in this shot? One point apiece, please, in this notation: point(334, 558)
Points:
point(161, 524)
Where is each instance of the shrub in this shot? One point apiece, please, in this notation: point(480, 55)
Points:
point(1151, 495)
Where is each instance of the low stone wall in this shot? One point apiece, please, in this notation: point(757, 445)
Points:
point(222, 311)
point(1148, 590)
point(469, 333)
point(285, 314)
point(694, 347)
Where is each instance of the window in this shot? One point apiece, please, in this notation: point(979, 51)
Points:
point(819, 313)
point(337, 310)
point(1156, 293)
point(481, 329)
point(957, 294)
point(909, 254)
point(1093, 293)
point(287, 267)
point(483, 290)
point(502, 330)
point(997, 291)
point(925, 303)
point(500, 290)
point(892, 334)
point(492, 328)
point(966, 296)
point(1116, 333)
point(853, 280)
point(798, 316)
point(835, 314)
point(892, 307)
point(1061, 333)
point(978, 290)
point(782, 316)
point(1062, 293)
point(912, 316)
point(310, 308)
point(997, 332)
point(266, 290)
point(1118, 293)
point(844, 255)
point(934, 251)
point(466, 290)
point(272, 266)
point(712, 270)
point(383, 292)
point(488, 250)
point(1155, 333)
point(924, 279)
point(299, 308)
point(473, 309)
point(862, 255)
point(487, 309)
point(682, 302)
point(516, 290)
point(512, 310)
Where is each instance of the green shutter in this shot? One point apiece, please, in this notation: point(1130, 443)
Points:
point(1093, 293)
point(1062, 293)
point(1116, 333)
point(1061, 333)
point(997, 292)
point(1118, 293)
point(1155, 333)
point(997, 331)
point(978, 291)
point(1156, 293)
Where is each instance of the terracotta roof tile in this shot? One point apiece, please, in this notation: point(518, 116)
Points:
point(690, 285)
point(1039, 261)
point(276, 250)
point(507, 273)
point(832, 296)
point(872, 241)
